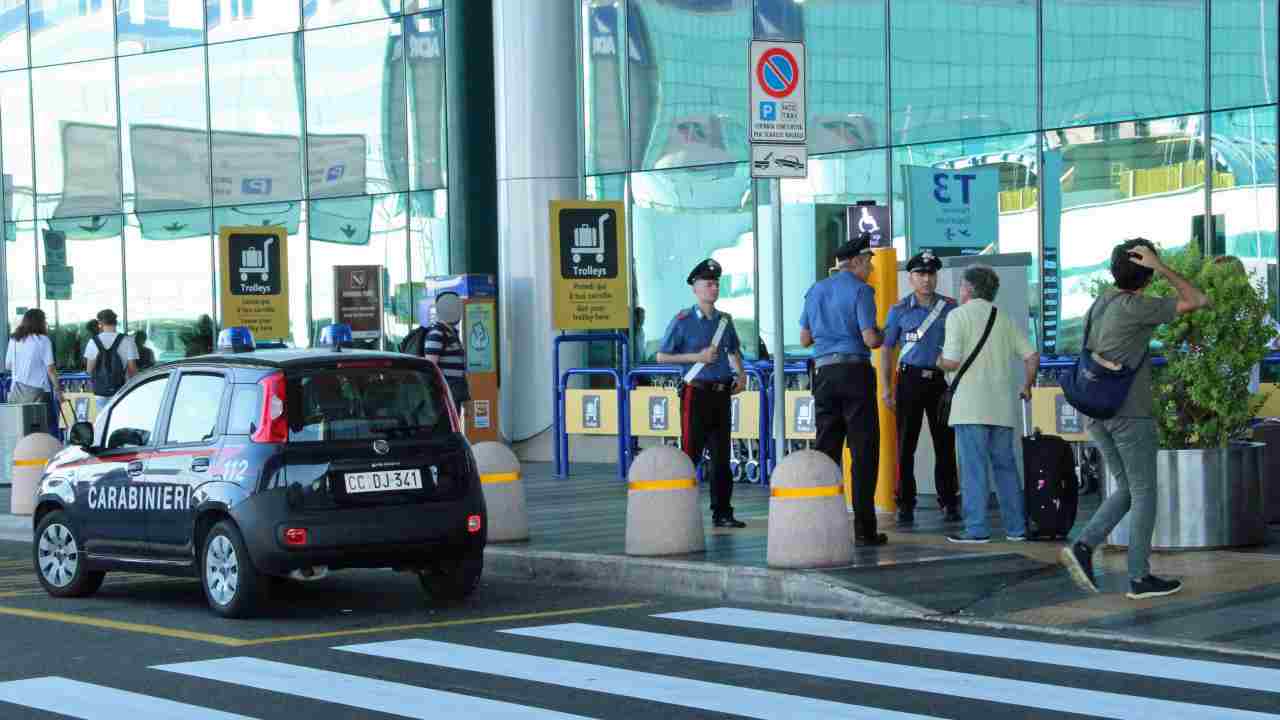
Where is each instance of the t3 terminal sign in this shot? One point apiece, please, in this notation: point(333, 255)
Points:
point(777, 92)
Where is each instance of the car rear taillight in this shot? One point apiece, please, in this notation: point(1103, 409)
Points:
point(473, 523)
point(273, 424)
point(295, 537)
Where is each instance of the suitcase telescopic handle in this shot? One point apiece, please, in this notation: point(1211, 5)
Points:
point(1025, 404)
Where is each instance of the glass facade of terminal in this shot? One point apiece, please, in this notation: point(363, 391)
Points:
point(1104, 119)
point(140, 128)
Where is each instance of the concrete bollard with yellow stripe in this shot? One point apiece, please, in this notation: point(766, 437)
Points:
point(808, 524)
point(30, 456)
point(662, 504)
point(503, 492)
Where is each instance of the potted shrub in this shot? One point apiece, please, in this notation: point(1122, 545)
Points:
point(1209, 475)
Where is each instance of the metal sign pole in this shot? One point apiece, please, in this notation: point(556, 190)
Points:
point(779, 325)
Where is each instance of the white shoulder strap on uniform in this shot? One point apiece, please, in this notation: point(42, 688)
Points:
point(715, 342)
point(924, 327)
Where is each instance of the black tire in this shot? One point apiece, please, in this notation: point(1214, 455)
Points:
point(233, 587)
point(454, 578)
point(58, 561)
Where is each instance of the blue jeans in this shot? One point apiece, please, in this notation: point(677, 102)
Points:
point(979, 445)
point(1129, 446)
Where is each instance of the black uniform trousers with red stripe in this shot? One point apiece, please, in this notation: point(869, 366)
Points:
point(919, 391)
point(705, 423)
point(845, 398)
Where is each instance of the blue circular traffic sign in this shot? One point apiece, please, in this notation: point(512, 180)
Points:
point(777, 72)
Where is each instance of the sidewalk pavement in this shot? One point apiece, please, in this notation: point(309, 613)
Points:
point(1231, 601)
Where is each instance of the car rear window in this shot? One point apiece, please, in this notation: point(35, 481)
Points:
point(364, 404)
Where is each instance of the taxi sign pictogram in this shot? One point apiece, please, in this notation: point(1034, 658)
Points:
point(777, 79)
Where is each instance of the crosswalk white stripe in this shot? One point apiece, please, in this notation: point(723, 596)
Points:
point(356, 691)
point(95, 702)
point(874, 672)
point(1246, 677)
point(699, 694)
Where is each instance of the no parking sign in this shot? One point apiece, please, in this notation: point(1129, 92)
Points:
point(777, 92)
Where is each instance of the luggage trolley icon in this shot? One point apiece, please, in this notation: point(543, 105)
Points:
point(255, 261)
point(588, 240)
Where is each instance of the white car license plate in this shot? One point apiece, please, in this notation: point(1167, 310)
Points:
point(383, 481)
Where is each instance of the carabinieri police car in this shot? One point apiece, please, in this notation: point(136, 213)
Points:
point(243, 466)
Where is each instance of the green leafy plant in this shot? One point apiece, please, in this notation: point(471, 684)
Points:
point(1202, 397)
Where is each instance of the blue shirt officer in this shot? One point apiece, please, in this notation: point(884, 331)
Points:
point(704, 342)
point(913, 337)
point(839, 322)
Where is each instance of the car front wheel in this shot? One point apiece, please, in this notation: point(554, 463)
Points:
point(232, 586)
point(59, 561)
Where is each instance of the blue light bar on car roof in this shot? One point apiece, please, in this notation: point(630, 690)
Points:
point(235, 339)
point(335, 335)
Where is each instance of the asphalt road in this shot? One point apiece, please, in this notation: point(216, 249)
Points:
point(369, 645)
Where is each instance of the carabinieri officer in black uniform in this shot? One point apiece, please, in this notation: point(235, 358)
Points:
point(839, 320)
point(915, 328)
point(703, 340)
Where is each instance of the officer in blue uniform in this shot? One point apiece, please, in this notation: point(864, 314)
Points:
point(839, 321)
point(915, 329)
point(704, 341)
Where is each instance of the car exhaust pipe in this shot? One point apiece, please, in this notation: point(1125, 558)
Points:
point(310, 574)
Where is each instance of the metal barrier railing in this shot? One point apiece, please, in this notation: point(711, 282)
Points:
point(560, 384)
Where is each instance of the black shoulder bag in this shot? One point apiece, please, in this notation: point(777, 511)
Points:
point(944, 402)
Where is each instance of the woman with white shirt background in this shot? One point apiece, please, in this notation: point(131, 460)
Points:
point(29, 361)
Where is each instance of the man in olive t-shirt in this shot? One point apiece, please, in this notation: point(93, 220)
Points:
point(1123, 321)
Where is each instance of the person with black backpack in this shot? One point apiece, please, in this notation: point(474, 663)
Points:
point(111, 357)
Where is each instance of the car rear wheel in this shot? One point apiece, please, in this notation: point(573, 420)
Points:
point(59, 562)
point(456, 577)
point(232, 586)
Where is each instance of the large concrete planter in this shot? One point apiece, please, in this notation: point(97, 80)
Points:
point(1205, 498)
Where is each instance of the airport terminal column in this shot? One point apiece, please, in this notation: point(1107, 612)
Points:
point(535, 117)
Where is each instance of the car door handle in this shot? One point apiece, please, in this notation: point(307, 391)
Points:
point(200, 464)
point(135, 468)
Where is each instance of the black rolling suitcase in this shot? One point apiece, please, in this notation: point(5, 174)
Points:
point(1050, 487)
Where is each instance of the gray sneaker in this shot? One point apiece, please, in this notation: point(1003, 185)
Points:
point(1152, 586)
point(1077, 558)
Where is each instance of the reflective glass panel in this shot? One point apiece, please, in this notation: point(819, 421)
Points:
point(166, 139)
point(1116, 182)
point(77, 141)
point(19, 170)
point(380, 244)
point(92, 262)
point(604, 108)
point(1244, 192)
point(1109, 60)
point(962, 69)
point(1244, 52)
point(256, 91)
point(426, 89)
point(678, 219)
point(237, 19)
point(13, 34)
point(687, 87)
point(846, 93)
point(428, 250)
point(813, 225)
point(355, 127)
point(319, 13)
point(147, 25)
point(169, 261)
point(21, 271)
point(70, 30)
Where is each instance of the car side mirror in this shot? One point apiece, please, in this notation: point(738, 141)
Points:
point(81, 435)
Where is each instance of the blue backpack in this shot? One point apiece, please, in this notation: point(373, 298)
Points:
point(1097, 391)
